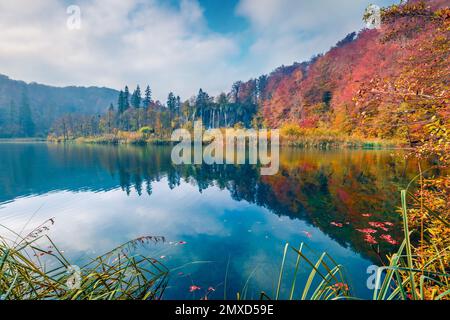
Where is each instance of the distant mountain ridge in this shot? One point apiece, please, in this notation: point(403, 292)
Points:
point(47, 103)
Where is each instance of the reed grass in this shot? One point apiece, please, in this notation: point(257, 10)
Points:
point(325, 281)
point(400, 280)
point(403, 279)
point(324, 138)
point(31, 271)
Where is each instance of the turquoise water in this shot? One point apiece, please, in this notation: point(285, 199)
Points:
point(210, 216)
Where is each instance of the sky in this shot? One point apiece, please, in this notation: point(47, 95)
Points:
point(171, 45)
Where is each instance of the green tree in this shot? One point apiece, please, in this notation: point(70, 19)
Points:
point(136, 98)
point(126, 97)
point(222, 102)
point(148, 97)
point(235, 91)
point(172, 103)
point(326, 99)
point(178, 107)
point(262, 84)
point(121, 104)
point(201, 103)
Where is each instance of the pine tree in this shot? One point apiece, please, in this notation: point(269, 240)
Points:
point(201, 102)
point(136, 98)
point(126, 97)
point(148, 97)
point(171, 102)
point(121, 102)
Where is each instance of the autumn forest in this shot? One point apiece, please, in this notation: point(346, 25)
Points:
point(387, 84)
point(364, 177)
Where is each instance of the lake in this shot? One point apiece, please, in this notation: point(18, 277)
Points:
point(224, 225)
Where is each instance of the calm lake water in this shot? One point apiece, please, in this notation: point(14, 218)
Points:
point(103, 196)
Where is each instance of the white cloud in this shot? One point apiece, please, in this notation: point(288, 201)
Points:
point(120, 42)
point(295, 30)
point(171, 48)
point(91, 217)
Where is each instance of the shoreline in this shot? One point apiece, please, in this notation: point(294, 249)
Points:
point(23, 140)
point(303, 143)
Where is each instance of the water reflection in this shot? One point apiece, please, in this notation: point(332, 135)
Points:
point(102, 196)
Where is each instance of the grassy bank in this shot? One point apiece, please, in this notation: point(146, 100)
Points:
point(334, 142)
point(294, 135)
point(22, 140)
point(301, 138)
point(132, 138)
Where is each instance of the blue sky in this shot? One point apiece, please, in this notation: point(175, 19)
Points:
point(173, 45)
point(221, 16)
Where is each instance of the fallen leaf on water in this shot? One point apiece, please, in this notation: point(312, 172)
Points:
point(194, 288)
point(341, 285)
point(367, 231)
point(388, 239)
point(370, 239)
point(337, 224)
point(378, 225)
point(308, 234)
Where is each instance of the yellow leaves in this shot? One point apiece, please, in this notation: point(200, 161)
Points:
point(443, 14)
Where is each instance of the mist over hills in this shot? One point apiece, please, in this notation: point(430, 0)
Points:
point(47, 103)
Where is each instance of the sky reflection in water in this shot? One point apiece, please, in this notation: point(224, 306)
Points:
point(103, 196)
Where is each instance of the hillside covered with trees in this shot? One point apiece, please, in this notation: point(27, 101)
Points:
point(29, 109)
point(387, 83)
